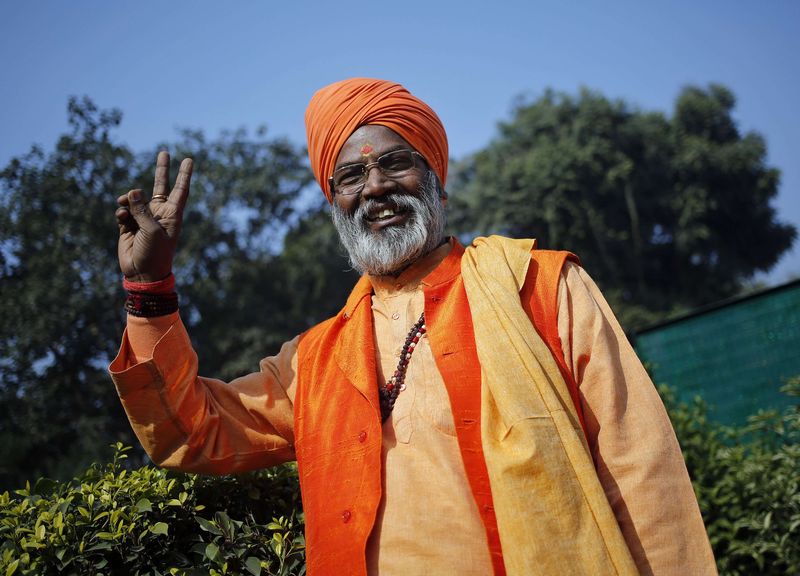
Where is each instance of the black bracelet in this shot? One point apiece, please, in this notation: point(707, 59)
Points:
point(147, 305)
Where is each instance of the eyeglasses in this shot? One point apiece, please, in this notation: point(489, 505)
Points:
point(351, 179)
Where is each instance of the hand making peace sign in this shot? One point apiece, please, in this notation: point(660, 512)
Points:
point(148, 231)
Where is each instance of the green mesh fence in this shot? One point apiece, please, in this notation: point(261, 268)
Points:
point(736, 355)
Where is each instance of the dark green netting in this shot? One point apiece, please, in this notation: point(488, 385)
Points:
point(736, 356)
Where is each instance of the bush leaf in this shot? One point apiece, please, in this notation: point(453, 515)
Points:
point(159, 528)
point(253, 565)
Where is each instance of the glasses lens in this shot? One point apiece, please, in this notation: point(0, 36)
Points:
point(349, 178)
point(393, 163)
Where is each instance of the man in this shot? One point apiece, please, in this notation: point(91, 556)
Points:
point(467, 412)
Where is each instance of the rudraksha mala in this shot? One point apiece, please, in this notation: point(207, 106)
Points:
point(396, 384)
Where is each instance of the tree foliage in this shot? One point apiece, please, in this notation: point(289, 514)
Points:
point(60, 291)
point(665, 212)
point(241, 295)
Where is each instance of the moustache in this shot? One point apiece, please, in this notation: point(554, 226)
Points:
point(398, 202)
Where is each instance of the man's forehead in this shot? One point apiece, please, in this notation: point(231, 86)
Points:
point(370, 141)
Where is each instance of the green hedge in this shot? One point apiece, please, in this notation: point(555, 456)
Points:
point(746, 480)
point(116, 521)
point(149, 521)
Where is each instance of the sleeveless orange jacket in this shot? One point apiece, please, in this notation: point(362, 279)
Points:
point(337, 416)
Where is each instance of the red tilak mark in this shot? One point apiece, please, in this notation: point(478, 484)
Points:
point(366, 149)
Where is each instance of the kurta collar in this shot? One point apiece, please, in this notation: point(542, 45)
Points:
point(411, 277)
point(438, 267)
point(448, 268)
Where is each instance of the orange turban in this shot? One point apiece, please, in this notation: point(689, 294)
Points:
point(337, 110)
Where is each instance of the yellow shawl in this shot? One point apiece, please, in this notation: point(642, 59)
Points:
point(552, 514)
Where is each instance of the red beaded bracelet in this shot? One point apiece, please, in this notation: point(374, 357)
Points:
point(151, 305)
point(150, 299)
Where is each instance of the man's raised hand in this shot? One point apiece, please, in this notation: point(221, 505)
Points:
point(148, 231)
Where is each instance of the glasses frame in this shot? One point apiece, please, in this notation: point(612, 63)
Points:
point(366, 167)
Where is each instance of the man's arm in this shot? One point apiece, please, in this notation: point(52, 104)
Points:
point(182, 420)
point(198, 424)
point(636, 454)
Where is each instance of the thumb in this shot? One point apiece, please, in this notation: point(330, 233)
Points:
point(141, 212)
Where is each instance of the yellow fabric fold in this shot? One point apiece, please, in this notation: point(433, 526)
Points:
point(552, 513)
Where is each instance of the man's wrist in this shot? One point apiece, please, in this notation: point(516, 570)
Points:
point(163, 286)
point(151, 299)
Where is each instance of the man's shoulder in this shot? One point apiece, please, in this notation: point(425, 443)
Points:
point(485, 254)
point(556, 257)
point(495, 243)
point(318, 330)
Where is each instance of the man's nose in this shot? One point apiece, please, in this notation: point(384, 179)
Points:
point(376, 184)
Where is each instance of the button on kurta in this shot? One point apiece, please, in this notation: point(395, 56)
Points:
point(362, 436)
point(396, 316)
point(346, 515)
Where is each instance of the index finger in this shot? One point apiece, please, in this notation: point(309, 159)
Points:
point(181, 190)
point(162, 174)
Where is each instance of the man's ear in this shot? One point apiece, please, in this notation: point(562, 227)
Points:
point(440, 189)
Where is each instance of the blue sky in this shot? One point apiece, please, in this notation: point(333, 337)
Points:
point(217, 65)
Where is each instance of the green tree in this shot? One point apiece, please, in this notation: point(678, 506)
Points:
point(665, 212)
point(61, 319)
point(60, 286)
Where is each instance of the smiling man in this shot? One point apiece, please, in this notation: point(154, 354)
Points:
point(471, 411)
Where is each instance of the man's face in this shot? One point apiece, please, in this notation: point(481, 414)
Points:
point(392, 221)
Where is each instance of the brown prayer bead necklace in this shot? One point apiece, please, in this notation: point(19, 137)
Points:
point(396, 384)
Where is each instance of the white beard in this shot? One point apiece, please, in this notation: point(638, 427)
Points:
point(393, 248)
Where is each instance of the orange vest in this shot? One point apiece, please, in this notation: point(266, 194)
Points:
point(337, 415)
